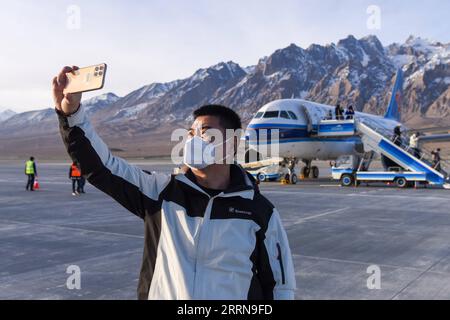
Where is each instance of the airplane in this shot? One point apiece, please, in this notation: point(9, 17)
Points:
point(306, 132)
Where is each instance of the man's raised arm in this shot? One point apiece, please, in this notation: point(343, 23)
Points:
point(133, 188)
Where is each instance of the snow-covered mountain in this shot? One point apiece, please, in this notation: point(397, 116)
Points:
point(6, 114)
point(352, 71)
point(427, 67)
point(44, 121)
point(99, 103)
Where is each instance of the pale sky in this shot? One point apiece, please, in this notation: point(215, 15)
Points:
point(163, 40)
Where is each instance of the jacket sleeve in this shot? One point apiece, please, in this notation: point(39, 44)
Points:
point(279, 261)
point(133, 188)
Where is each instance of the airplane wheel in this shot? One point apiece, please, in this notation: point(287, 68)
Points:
point(261, 177)
point(401, 182)
point(305, 173)
point(347, 180)
point(293, 179)
point(315, 172)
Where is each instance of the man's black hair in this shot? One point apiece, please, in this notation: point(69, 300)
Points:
point(32, 158)
point(229, 119)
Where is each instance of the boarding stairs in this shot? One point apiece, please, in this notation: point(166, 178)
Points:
point(379, 140)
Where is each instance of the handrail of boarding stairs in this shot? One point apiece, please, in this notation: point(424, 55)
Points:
point(426, 156)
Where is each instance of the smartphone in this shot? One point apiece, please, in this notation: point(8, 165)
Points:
point(86, 79)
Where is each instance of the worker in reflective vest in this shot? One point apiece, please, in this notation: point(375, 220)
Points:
point(31, 173)
point(75, 176)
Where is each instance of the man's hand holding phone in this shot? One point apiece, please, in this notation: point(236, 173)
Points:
point(72, 81)
point(67, 103)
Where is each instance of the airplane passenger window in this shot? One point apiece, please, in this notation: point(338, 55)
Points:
point(271, 114)
point(293, 116)
point(284, 115)
point(259, 115)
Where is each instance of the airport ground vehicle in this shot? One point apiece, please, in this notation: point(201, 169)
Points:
point(269, 170)
point(410, 171)
point(349, 177)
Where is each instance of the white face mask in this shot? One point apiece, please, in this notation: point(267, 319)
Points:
point(200, 154)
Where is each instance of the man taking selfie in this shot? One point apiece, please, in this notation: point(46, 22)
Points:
point(209, 233)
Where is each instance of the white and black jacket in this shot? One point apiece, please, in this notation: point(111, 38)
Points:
point(228, 247)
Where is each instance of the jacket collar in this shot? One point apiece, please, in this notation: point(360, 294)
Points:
point(241, 183)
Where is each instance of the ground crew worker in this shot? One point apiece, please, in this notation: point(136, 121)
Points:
point(350, 113)
point(31, 173)
point(82, 184)
point(397, 139)
point(339, 112)
point(209, 232)
point(437, 160)
point(75, 176)
point(414, 145)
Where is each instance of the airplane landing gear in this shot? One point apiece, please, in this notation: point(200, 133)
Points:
point(309, 171)
point(315, 172)
point(291, 177)
point(305, 172)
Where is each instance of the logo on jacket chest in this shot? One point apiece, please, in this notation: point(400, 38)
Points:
point(238, 211)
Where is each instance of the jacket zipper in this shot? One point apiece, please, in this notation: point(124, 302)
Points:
point(203, 226)
point(280, 259)
point(197, 253)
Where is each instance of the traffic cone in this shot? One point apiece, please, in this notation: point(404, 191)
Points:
point(36, 185)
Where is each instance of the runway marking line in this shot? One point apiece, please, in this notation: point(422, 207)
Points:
point(360, 194)
point(326, 213)
point(381, 265)
point(70, 228)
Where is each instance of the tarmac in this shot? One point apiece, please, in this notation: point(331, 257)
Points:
point(336, 236)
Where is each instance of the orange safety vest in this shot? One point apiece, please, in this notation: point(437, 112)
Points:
point(75, 171)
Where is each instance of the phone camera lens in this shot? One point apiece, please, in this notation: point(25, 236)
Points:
point(96, 68)
point(100, 73)
point(101, 68)
point(96, 74)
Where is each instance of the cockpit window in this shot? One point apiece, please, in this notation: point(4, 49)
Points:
point(259, 115)
point(284, 115)
point(271, 114)
point(293, 116)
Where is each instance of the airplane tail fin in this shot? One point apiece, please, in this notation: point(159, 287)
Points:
point(393, 111)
